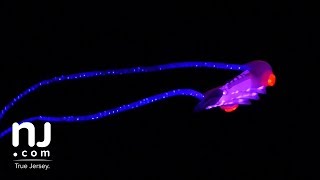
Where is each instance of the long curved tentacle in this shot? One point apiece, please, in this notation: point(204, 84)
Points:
point(106, 113)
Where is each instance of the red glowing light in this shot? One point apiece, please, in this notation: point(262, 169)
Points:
point(230, 108)
point(271, 80)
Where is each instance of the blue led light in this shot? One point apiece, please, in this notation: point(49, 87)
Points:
point(123, 108)
point(103, 114)
point(92, 74)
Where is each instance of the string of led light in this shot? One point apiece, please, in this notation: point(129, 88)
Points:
point(85, 75)
point(123, 108)
point(110, 112)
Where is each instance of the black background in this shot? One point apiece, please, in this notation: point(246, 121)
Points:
point(167, 139)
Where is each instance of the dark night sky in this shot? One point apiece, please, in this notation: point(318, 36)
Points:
point(40, 40)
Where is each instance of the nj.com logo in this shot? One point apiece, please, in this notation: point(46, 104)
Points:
point(37, 157)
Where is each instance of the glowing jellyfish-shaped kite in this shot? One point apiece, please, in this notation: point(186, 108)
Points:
point(255, 76)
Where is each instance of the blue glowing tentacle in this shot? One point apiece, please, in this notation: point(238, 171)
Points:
point(102, 114)
point(86, 75)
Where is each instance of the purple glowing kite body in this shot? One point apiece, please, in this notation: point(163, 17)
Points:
point(240, 90)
